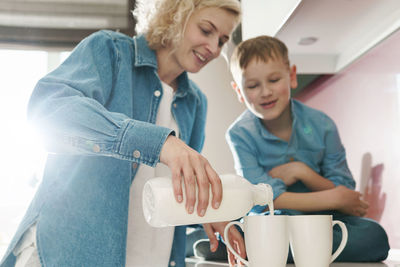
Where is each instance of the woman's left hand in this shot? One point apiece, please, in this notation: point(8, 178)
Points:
point(235, 238)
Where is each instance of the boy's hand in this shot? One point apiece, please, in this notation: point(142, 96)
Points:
point(295, 171)
point(349, 201)
point(290, 172)
point(184, 162)
point(237, 241)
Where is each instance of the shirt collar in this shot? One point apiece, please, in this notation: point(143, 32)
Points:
point(144, 55)
point(293, 111)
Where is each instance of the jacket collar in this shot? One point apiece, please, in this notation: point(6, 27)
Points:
point(145, 56)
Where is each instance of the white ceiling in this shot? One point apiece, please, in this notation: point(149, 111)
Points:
point(345, 29)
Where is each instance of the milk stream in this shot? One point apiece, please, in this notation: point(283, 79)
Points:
point(239, 196)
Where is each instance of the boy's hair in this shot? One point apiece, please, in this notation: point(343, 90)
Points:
point(261, 48)
point(168, 22)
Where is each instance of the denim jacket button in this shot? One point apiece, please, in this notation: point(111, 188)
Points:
point(175, 105)
point(172, 263)
point(136, 154)
point(96, 148)
point(157, 93)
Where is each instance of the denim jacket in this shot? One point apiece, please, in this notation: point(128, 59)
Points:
point(315, 141)
point(96, 112)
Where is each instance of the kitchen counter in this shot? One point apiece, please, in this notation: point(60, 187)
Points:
point(393, 260)
point(339, 264)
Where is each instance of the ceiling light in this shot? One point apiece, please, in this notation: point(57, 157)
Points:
point(307, 40)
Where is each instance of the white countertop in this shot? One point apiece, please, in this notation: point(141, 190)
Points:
point(392, 261)
point(338, 264)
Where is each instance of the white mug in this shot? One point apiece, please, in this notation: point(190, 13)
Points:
point(311, 238)
point(266, 239)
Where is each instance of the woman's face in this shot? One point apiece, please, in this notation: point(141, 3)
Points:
point(207, 30)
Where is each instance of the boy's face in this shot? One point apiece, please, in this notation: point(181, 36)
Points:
point(265, 88)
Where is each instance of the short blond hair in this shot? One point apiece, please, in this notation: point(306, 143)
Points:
point(261, 48)
point(167, 24)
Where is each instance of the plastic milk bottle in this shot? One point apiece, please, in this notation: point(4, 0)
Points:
point(161, 209)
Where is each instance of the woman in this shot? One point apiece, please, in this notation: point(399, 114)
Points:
point(109, 114)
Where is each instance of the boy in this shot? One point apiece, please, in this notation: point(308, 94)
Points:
point(296, 149)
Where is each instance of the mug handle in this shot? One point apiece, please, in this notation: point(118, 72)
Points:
point(344, 239)
point(228, 244)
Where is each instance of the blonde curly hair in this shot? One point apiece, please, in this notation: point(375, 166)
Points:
point(168, 18)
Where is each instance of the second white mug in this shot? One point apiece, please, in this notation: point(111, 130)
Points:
point(311, 238)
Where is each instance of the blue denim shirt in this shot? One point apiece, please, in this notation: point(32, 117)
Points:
point(315, 141)
point(97, 113)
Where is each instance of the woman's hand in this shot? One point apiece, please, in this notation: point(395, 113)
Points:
point(236, 239)
point(349, 201)
point(184, 162)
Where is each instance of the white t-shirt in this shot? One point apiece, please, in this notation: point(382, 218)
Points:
point(146, 245)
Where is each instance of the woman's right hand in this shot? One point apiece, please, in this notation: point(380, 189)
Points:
point(184, 162)
point(349, 201)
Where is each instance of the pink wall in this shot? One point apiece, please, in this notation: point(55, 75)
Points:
point(364, 100)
